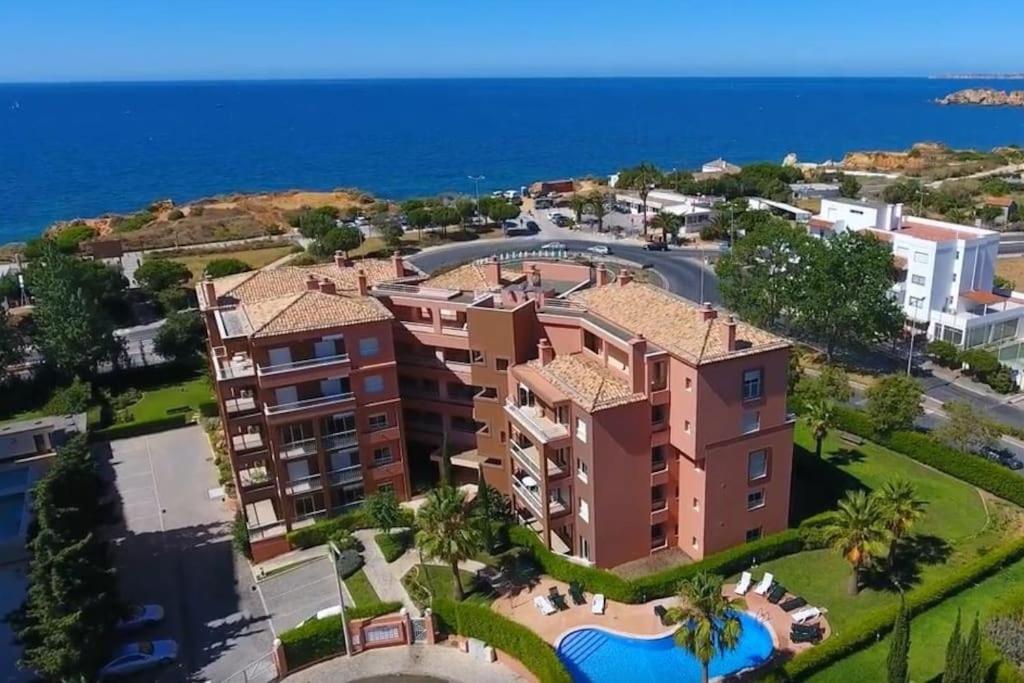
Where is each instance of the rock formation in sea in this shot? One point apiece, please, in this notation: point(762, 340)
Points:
point(985, 97)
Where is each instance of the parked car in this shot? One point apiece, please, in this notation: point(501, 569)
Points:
point(562, 222)
point(1002, 457)
point(532, 226)
point(510, 225)
point(140, 616)
point(141, 656)
point(323, 614)
point(600, 249)
point(555, 246)
point(656, 245)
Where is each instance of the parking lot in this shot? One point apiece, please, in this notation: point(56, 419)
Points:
point(296, 594)
point(174, 549)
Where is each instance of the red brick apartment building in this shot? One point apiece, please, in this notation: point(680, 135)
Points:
point(620, 419)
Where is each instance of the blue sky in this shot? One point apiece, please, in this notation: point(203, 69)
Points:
point(58, 40)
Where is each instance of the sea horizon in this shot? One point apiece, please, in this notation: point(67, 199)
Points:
point(78, 149)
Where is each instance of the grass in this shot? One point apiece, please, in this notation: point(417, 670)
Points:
point(361, 590)
point(375, 245)
point(1012, 269)
point(165, 401)
point(257, 258)
point(439, 581)
point(930, 631)
point(393, 545)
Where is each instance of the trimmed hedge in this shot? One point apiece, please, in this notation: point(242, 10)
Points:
point(129, 429)
point(661, 584)
point(371, 610)
point(477, 621)
point(875, 624)
point(320, 532)
point(321, 638)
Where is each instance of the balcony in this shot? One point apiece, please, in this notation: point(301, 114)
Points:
point(308, 519)
point(246, 442)
point(339, 440)
point(658, 465)
point(307, 484)
point(305, 404)
point(237, 366)
point(297, 449)
point(255, 479)
point(659, 505)
point(346, 475)
point(237, 406)
point(529, 457)
point(262, 532)
point(539, 426)
point(556, 506)
point(531, 498)
point(322, 361)
point(659, 542)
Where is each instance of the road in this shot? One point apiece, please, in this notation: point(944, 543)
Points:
point(1011, 243)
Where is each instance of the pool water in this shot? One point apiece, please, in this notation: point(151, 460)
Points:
point(12, 508)
point(596, 656)
point(14, 479)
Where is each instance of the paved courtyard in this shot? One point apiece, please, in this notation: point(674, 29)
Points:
point(294, 595)
point(174, 548)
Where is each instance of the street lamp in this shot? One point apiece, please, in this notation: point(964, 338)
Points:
point(476, 184)
point(335, 554)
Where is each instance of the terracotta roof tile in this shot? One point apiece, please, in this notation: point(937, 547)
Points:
point(470, 277)
point(272, 283)
point(1004, 202)
point(592, 385)
point(311, 310)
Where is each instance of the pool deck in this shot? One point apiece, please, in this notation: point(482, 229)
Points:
point(638, 620)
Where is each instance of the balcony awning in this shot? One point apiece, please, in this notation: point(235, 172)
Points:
point(471, 458)
point(984, 298)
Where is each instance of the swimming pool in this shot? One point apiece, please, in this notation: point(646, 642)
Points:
point(12, 509)
point(16, 479)
point(594, 655)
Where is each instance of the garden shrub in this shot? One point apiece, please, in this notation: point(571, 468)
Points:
point(349, 562)
point(344, 540)
point(371, 610)
point(944, 353)
point(392, 545)
point(71, 399)
point(477, 621)
point(321, 531)
point(129, 429)
point(1006, 633)
point(321, 638)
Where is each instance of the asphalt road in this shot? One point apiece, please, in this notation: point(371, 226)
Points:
point(1011, 243)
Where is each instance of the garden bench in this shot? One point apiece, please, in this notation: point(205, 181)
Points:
point(851, 438)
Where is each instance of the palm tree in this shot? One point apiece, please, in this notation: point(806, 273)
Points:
point(901, 509)
point(447, 531)
point(644, 181)
point(707, 623)
point(668, 223)
point(857, 530)
point(597, 208)
point(821, 417)
point(720, 225)
point(579, 204)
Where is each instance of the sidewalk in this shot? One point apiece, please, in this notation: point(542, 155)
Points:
point(384, 577)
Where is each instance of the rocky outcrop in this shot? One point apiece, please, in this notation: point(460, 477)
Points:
point(985, 97)
point(919, 156)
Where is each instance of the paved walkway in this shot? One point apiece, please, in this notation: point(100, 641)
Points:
point(384, 578)
point(444, 663)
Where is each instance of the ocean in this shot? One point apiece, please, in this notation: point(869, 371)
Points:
point(71, 150)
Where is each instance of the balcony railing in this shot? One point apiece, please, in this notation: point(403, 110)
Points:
point(259, 532)
point(527, 460)
point(657, 543)
point(308, 403)
point(308, 519)
point(236, 367)
point(307, 484)
point(659, 505)
point(556, 506)
point(278, 368)
point(339, 440)
point(243, 404)
point(255, 478)
point(246, 442)
point(659, 466)
point(346, 475)
point(297, 449)
point(531, 498)
point(541, 427)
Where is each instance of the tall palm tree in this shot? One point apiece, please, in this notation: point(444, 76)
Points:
point(646, 177)
point(820, 416)
point(597, 208)
point(668, 223)
point(901, 509)
point(720, 225)
point(857, 530)
point(448, 532)
point(707, 623)
point(578, 203)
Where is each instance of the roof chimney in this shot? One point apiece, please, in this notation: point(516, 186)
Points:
point(729, 333)
point(638, 363)
point(707, 312)
point(328, 286)
point(209, 293)
point(492, 271)
point(625, 277)
point(362, 284)
point(341, 260)
point(399, 263)
point(312, 283)
point(601, 275)
point(545, 352)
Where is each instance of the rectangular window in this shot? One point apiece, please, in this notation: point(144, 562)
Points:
point(696, 504)
point(501, 364)
point(382, 456)
point(755, 499)
point(752, 384)
point(917, 279)
point(686, 426)
point(754, 534)
point(693, 541)
point(374, 384)
point(658, 414)
point(584, 510)
point(751, 421)
point(581, 471)
point(476, 357)
point(757, 465)
point(689, 384)
point(369, 346)
point(591, 342)
point(378, 421)
point(584, 548)
point(581, 430)
point(920, 257)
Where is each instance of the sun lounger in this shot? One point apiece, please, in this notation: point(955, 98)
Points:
point(766, 583)
point(792, 604)
point(597, 606)
point(662, 614)
point(806, 614)
point(544, 605)
point(777, 592)
point(576, 593)
point(805, 634)
point(744, 585)
point(559, 600)
point(805, 628)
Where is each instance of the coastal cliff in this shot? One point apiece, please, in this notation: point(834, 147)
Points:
point(985, 97)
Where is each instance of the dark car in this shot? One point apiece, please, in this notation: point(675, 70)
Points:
point(1003, 458)
point(561, 221)
point(532, 226)
point(655, 245)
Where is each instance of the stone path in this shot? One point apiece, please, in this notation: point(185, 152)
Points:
point(384, 578)
point(444, 663)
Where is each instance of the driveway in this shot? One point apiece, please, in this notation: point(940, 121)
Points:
point(294, 595)
point(174, 548)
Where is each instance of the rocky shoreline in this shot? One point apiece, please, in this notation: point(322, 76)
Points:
point(984, 97)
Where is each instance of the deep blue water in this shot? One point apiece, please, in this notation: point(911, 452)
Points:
point(84, 149)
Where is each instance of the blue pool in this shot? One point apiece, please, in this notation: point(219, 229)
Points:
point(596, 656)
point(12, 508)
point(14, 479)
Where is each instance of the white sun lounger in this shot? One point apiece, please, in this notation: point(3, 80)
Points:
point(766, 583)
point(805, 614)
point(744, 585)
point(544, 605)
point(597, 606)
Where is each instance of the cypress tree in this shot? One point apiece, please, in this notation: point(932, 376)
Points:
point(972, 667)
point(899, 647)
point(954, 658)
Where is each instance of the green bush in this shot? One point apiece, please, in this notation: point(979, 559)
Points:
point(129, 429)
point(371, 610)
point(393, 545)
point(321, 638)
point(320, 532)
point(944, 353)
point(71, 399)
point(476, 621)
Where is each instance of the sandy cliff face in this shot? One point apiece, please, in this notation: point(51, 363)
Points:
point(985, 97)
point(920, 156)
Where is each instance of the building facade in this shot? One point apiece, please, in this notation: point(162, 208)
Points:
point(619, 419)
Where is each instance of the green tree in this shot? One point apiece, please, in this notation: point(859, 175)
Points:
point(313, 223)
point(599, 210)
point(419, 218)
point(384, 510)
point(158, 274)
point(849, 187)
point(220, 267)
point(904, 192)
point(708, 624)
point(901, 509)
point(668, 223)
point(897, 663)
point(831, 384)
point(466, 208)
point(642, 179)
point(392, 234)
point(953, 672)
point(944, 353)
point(342, 239)
point(966, 430)
point(820, 416)
point(443, 216)
point(69, 239)
point(491, 508)
point(182, 336)
point(973, 671)
point(447, 532)
point(12, 344)
point(894, 403)
point(759, 275)
point(578, 203)
point(855, 529)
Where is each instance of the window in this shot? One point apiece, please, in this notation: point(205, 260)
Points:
point(584, 548)
point(755, 499)
point(581, 430)
point(686, 426)
point(693, 541)
point(339, 424)
point(584, 510)
point(751, 421)
point(916, 301)
point(591, 342)
point(581, 471)
point(754, 534)
point(917, 279)
point(658, 414)
point(954, 277)
point(920, 257)
point(659, 376)
point(752, 384)
point(374, 384)
point(382, 456)
point(304, 505)
point(378, 421)
point(501, 364)
point(369, 346)
point(689, 384)
point(696, 504)
point(757, 465)
point(476, 357)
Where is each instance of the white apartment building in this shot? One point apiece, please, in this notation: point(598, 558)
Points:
point(947, 270)
point(695, 210)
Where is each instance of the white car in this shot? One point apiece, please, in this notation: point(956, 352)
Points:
point(141, 615)
point(600, 249)
point(322, 614)
point(555, 246)
point(134, 657)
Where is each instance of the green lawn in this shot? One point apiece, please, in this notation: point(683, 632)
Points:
point(362, 592)
point(168, 400)
point(439, 581)
point(929, 633)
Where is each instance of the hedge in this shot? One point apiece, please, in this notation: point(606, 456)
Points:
point(661, 584)
point(321, 638)
point(129, 429)
point(320, 532)
point(477, 621)
point(875, 624)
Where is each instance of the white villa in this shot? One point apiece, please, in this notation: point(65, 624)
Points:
point(695, 210)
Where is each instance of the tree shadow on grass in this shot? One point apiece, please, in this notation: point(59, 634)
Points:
point(819, 485)
point(912, 554)
point(516, 574)
point(845, 456)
